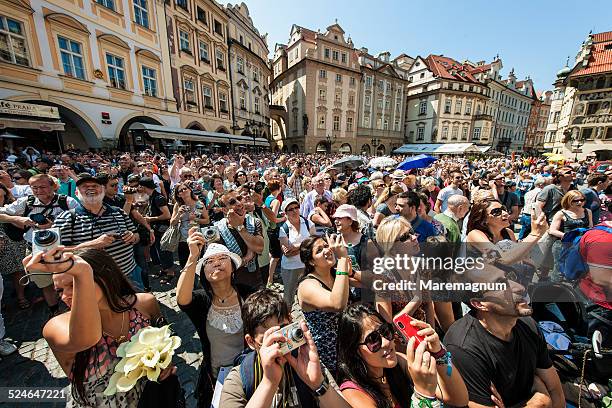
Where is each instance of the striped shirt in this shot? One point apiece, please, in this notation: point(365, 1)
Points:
point(81, 226)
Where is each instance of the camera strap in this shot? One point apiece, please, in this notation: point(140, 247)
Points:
point(26, 278)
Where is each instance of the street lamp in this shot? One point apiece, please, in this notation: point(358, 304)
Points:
point(375, 143)
point(330, 142)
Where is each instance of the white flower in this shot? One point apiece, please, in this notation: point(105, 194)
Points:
point(147, 353)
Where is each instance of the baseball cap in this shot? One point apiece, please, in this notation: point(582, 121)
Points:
point(86, 177)
point(147, 182)
point(287, 202)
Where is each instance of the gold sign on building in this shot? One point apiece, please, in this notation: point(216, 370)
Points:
point(28, 109)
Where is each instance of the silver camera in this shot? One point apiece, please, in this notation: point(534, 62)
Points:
point(294, 337)
point(45, 240)
point(211, 234)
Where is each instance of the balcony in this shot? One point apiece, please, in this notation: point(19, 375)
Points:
point(482, 116)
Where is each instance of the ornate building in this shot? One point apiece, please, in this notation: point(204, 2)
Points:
point(316, 84)
point(249, 73)
point(536, 125)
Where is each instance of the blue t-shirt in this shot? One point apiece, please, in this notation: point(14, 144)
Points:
point(593, 203)
point(424, 229)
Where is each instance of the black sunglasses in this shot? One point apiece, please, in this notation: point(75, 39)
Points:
point(578, 200)
point(496, 212)
point(373, 341)
point(407, 236)
point(233, 201)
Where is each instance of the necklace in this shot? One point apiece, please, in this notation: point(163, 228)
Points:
point(122, 338)
point(223, 299)
point(382, 379)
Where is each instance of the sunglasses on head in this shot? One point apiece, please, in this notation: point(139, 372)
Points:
point(233, 201)
point(373, 341)
point(496, 212)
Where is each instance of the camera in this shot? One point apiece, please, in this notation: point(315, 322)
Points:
point(45, 240)
point(294, 337)
point(211, 234)
point(129, 190)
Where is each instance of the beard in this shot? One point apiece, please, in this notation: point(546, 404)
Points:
point(89, 199)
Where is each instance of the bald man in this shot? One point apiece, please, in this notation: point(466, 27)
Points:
point(457, 208)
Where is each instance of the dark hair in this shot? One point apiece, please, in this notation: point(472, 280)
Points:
point(120, 296)
point(478, 217)
point(259, 187)
point(352, 368)
point(307, 254)
point(8, 197)
point(360, 197)
point(212, 180)
point(424, 198)
point(177, 196)
point(320, 200)
point(23, 173)
point(238, 174)
point(260, 306)
point(273, 186)
point(596, 178)
point(412, 198)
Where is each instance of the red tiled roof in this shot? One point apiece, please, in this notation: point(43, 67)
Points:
point(307, 34)
point(445, 67)
point(600, 59)
point(479, 69)
point(602, 37)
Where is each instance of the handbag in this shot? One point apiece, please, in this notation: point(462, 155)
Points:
point(170, 240)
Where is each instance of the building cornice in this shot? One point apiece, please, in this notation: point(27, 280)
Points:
point(237, 43)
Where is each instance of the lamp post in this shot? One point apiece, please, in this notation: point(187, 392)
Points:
point(330, 142)
point(375, 143)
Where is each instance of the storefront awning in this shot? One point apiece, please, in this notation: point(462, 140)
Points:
point(438, 148)
point(166, 132)
point(45, 126)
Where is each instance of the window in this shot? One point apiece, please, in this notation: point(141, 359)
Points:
point(223, 102)
point(220, 58)
point(240, 65)
point(241, 39)
point(423, 108)
point(468, 108)
point(388, 86)
point(219, 28)
point(242, 100)
point(184, 41)
point(464, 133)
point(110, 4)
point(476, 135)
point(587, 134)
point(422, 75)
point(339, 78)
point(13, 46)
point(141, 13)
point(368, 82)
point(338, 97)
point(366, 121)
point(149, 80)
point(367, 100)
point(455, 132)
point(182, 4)
point(189, 91)
point(335, 55)
point(380, 103)
point(447, 106)
point(204, 56)
point(336, 123)
point(349, 124)
point(322, 74)
point(381, 85)
point(343, 57)
point(116, 71)
point(458, 106)
point(72, 58)
point(201, 15)
point(379, 123)
point(322, 122)
point(256, 103)
point(386, 124)
point(352, 81)
point(255, 75)
point(326, 53)
point(207, 93)
point(396, 125)
point(322, 94)
point(420, 133)
point(445, 132)
point(351, 100)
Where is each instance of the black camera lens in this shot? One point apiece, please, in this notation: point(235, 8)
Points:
point(45, 238)
point(297, 334)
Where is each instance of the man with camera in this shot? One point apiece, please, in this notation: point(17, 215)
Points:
point(37, 212)
point(242, 234)
point(94, 224)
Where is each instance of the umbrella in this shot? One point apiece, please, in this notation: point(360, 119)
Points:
point(382, 162)
point(556, 157)
point(9, 136)
point(548, 154)
point(416, 162)
point(349, 161)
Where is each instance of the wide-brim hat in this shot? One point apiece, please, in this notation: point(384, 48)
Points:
point(398, 175)
point(346, 210)
point(288, 202)
point(218, 249)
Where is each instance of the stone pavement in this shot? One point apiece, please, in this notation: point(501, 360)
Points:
point(34, 365)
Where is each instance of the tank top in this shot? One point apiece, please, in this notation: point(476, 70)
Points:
point(570, 224)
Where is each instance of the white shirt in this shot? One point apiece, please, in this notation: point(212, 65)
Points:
point(530, 199)
point(19, 191)
point(445, 194)
point(295, 238)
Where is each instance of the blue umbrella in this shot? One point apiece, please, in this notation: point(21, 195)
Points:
point(416, 162)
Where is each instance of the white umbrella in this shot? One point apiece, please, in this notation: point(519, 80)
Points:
point(382, 162)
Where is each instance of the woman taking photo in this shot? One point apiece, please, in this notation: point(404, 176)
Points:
point(323, 291)
point(373, 375)
point(291, 234)
point(385, 205)
point(572, 215)
point(105, 311)
point(214, 207)
point(213, 310)
point(188, 212)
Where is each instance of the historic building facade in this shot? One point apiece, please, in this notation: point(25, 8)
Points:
point(446, 103)
point(98, 64)
point(316, 80)
point(382, 100)
point(249, 74)
point(536, 125)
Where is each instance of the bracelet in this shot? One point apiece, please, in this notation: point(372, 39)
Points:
point(419, 401)
point(446, 360)
point(535, 235)
point(342, 273)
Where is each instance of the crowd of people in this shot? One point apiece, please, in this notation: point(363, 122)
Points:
point(255, 242)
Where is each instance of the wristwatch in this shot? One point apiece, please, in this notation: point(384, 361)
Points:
point(239, 228)
point(319, 392)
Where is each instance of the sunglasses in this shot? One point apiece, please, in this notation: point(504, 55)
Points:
point(234, 201)
point(496, 212)
point(578, 200)
point(114, 184)
point(292, 209)
point(182, 190)
point(373, 341)
point(407, 236)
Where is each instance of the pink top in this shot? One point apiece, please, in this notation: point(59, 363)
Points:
point(349, 385)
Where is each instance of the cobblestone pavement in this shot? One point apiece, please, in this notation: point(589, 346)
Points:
point(34, 365)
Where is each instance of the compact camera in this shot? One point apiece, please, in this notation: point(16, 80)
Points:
point(211, 234)
point(294, 337)
point(45, 240)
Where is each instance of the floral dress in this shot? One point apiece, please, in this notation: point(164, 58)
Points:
point(11, 254)
point(101, 366)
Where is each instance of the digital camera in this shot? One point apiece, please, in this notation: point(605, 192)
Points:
point(45, 240)
point(211, 234)
point(294, 337)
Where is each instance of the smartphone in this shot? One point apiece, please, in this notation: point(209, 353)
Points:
point(402, 323)
point(40, 219)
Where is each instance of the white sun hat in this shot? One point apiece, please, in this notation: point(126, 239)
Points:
point(218, 249)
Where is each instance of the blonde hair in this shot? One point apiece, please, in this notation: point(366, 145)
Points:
point(389, 192)
point(389, 230)
point(428, 182)
point(339, 195)
point(566, 201)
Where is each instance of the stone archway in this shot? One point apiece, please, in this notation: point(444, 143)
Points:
point(366, 149)
point(130, 140)
point(345, 149)
point(222, 129)
point(380, 150)
point(322, 147)
point(195, 125)
point(295, 148)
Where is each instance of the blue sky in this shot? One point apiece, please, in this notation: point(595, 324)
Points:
point(535, 37)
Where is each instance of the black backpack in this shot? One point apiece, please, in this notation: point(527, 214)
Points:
point(15, 233)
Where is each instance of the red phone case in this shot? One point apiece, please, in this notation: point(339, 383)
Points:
point(402, 323)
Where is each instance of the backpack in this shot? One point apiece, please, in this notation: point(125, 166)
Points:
point(285, 226)
point(571, 264)
point(15, 233)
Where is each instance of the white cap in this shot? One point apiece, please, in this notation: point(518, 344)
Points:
point(218, 249)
